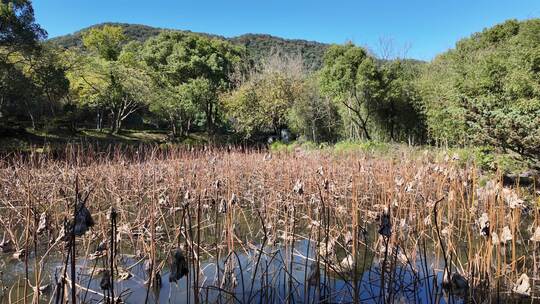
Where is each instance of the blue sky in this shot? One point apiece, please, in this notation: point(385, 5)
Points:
point(424, 28)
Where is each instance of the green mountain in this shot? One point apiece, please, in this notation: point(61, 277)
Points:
point(258, 45)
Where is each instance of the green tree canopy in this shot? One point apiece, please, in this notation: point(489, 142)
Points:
point(105, 41)
point(487, 89)
point(181, 61)
point(18, 29)
point(263, 102)
point(112, 81)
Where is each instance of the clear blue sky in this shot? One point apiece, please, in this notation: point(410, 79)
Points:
point(427, 26)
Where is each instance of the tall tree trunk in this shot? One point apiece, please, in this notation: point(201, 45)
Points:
point(32, 120)
point(113, 122)
point(188, 127)
point(209, 117)
point(118, 124)
point(99, 120)
point(366, 133)
point(172, 122)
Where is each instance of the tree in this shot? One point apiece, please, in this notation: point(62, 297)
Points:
point(492, 81)
point(242, 107)
point(263, 102)
point(49, 75)
point(398, 113)
point(178, 58)
point(105, 41)
point(27, 71)
point(351, 78)
point(113, 81)
point(18, 30)
point(315, 116)
point(444, 114)
point(176, 106)
point(15, 88)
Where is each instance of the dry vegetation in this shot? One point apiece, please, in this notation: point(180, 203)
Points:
point(284, 227)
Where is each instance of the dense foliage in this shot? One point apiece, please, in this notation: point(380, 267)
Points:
point(487, 90)
point(262, 102)
point(484, 92)
point(375, 97)
point(258, 46)
point(31, 76)
point(196, 67)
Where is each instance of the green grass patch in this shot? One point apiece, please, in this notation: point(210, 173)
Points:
point(364, 146)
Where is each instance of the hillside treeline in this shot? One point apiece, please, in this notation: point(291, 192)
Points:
point(485, 91)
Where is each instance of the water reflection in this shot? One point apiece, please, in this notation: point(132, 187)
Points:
point(246, 278)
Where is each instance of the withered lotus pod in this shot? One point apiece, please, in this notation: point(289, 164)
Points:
point(223, 206)
point(43, 224)
point(178, 265)
point(83, 220)
point(6, 246)
point(314, 274)
point(105, 282)
point(298, 187)
point(385, 227)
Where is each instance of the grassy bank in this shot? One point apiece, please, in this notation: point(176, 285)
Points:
point(485, 158)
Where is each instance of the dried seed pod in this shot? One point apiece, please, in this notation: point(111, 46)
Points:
point(455, 281)
point(506, 235)
point(105, 282)
point(6, 246)
point(348, 238)
point(385, 227)
point(222, 206)
point(43, 224)
point(483, 222)
point(347, 264)
point(298, 187)
point(233, 200)
point(19, 254)
point(83, 220)
point(536, 236)
point(314, 274)
point(124, 275)
point(523, 286)
point(43, 289)
point(187, 198)
point(178, 265)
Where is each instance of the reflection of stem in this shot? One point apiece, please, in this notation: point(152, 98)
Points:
point(354, 212)
point(435, 215)
point(382, 292)
point(112, 251)
point(446, 264)
point(265, 238)
point(73, 252)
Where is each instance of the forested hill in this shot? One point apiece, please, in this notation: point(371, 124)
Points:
point(258, 45)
